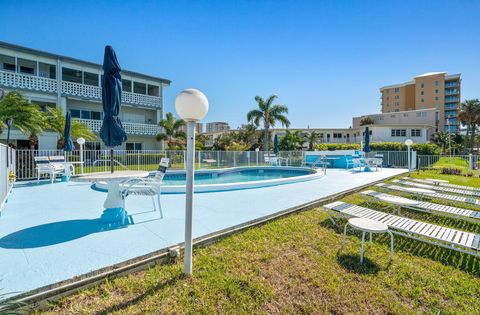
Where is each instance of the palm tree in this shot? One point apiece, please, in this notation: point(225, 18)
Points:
point(292, 141)
point(269, 114)
point(469, 115)
point(442, 139)
point(171, 130)
point(55, 120)
point(26, 116)
point(312, 138)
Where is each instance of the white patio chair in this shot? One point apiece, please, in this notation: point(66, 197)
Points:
point(146, 187)
point(44, 167)
point(61, 165)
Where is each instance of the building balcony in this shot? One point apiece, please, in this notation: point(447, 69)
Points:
point(35, 83)
point(130, 128)
point(452, 92)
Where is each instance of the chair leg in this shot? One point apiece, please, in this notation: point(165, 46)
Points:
point(160, 206)
point(123, 210)
point(154, 206)
point(38, 178)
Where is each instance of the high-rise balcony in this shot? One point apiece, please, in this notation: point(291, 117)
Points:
point(451, 91)
point(12, 79)
point(130, 128)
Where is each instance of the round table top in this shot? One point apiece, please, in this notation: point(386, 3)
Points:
point(433, 180)
point(399, 200)
point(108, 176)
point(419, 190)
point(368, 225)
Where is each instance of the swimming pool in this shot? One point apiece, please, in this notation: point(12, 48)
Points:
point(234, 178)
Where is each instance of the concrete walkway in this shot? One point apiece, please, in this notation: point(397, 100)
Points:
point(50, 233)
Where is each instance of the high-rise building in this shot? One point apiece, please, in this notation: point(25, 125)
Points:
point(429, 90)
point(217, 126)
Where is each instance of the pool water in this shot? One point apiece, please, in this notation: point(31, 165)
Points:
point(235, 176)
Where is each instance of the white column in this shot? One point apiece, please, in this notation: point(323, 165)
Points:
point(189, 196)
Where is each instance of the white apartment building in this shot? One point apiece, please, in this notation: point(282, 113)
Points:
point(217, 126)
point(74, 85)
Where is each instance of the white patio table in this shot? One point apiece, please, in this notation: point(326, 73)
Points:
point(437, 182)
point(398, 202)
point(368, 226)
point(113, 203)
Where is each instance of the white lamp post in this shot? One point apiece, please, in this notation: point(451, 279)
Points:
point(81, 142)
point(191, 105)
point(408, 143)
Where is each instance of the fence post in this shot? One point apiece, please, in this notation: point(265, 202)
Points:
point(470, 162)
point(234, 159)
point(218, 159)
point(199, 159)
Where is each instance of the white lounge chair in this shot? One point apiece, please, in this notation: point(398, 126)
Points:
point(457, 191)
point(427, 182)
point(44, 167)
point(461, 241)
point(429, 207)
point(471, 201)
point(146, 187)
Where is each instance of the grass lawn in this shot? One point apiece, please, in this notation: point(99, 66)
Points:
point(296, 265)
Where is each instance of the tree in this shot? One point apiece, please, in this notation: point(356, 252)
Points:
point(55, 120)
point(268, 114)
point(27, 117)
point(292, 141)
point(366, 121)
point(172, 133)
point(469, 115)
point(312, 138)
point(443, 139)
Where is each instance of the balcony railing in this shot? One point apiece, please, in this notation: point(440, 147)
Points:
point(130, 128)
point(29, 82)
point(35, 83)
point(451, 92)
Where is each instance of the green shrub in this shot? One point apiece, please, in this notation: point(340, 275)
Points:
point(421, 148)
point(337, 146)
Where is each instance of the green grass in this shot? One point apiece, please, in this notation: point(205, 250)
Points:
point(296, 265)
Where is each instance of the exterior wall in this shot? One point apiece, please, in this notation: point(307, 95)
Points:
point(384, 134)
point(415, 117)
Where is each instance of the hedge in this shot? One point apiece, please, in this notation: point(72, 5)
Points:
point(421, 148)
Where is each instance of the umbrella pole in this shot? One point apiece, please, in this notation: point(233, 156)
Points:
point(111, 160)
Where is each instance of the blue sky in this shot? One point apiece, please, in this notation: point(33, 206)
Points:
point(324, 59)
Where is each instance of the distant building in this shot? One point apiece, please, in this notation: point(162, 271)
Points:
point(429, 90)
point(74, 86)
point(217, 126)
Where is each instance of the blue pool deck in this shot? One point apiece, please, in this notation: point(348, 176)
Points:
point(50, 233)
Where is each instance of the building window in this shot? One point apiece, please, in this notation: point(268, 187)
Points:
point(71, 75)
point(422, 85)
point(90, 78)
point(397, 103)
point(139, 88)
point(92, 146)
point(436, 83)
point(86, 114)
point(422, 93)
point(422, 100)
point(415, 132)
point(133, 146)
point(388, 97)
point(337, 135)
point(7, 63)
point(153, 90)
point(27, 66)
point(405, 115)
point(399, 132)
point(126, 85)
point(436, 91)
point(397, 90)
point(396, 110)
point(47, 70)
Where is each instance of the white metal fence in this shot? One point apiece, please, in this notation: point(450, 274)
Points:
point(7, 164)
point(99, 160)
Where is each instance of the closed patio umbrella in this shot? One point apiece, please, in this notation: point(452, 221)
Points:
point(275, 144)
point(112, 132)
point(366, 142)
point(67, 134)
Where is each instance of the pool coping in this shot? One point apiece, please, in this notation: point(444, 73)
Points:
point(40, 298)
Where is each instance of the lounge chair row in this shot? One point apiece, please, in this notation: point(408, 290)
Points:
point(458, 191)
point(52, 166)
point(423, 181)
point(434, 234)
point(429, 207)
point(467, 200)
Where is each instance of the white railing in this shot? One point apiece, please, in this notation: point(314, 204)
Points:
point(29, 82)
point(36, 83)
point(7, 164)
point(130, 128)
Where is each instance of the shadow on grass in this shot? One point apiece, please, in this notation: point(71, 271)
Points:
point(137, 299)
point(351, 263)
point(445, 256)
